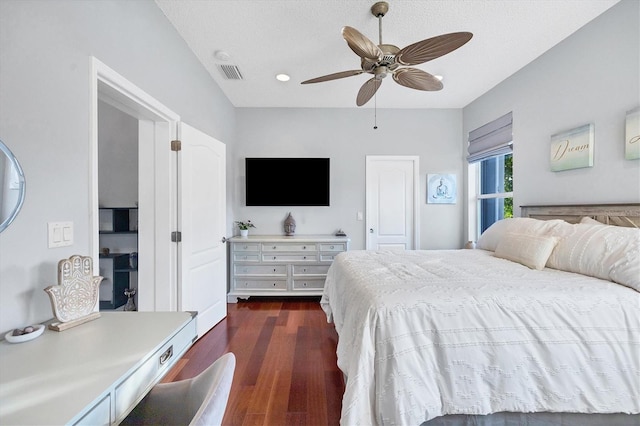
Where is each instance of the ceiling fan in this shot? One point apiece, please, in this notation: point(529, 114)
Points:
point(384, 59)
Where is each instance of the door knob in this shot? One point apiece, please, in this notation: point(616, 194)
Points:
point(371, 230)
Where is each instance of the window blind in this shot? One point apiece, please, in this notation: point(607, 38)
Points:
point(490, 140)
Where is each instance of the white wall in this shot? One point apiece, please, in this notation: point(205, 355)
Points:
point(45, 49)
point(593, 76)
point(347, 136)
point(117, 157)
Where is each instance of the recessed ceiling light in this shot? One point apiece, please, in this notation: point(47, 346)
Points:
point(282, 77)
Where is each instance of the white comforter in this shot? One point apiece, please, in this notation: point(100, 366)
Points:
point(428, 333)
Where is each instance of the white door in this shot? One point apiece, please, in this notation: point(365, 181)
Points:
point(392, 200)
point(202, 253)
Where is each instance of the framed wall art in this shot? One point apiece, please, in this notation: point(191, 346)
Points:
point(441, 189)
point(572, 149)
point(632, 135)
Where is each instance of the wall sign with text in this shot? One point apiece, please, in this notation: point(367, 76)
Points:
point(572, 149)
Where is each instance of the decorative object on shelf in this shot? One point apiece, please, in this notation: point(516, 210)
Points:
point(632, 135)
point(289, 225)
point(340, 233)
point(572, 149)
point(470, 245)
point(76, 294)
point(20, 335)
point(244, 227)
point(131, 304)
point(441, 189)
point(133, 260)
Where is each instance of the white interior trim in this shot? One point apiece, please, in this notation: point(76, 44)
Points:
point(157, 276)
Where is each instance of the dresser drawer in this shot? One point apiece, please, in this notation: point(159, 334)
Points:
point(310, 269)
point(260, 284)
point(311, 257)
point(131, 390)
point(312, 284)
point(260, 269)
point(244, 247)
point(328, 257)
point(244, 257)
point(333, 247)
point(288, 247)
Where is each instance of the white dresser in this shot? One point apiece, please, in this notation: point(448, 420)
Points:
point(275, 265)
point(92, 374)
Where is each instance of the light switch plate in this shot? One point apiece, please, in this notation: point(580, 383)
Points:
point(60, 234)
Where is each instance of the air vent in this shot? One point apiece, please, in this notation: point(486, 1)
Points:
point(230, 72)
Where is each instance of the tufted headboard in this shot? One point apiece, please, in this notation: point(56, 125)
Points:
point(611, 214)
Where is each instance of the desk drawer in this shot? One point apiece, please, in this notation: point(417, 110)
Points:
point(134, 387)
point(100, 414)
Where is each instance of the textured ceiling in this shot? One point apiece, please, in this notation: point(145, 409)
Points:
point(303, 39)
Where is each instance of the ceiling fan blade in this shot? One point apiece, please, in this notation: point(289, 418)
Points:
point(361, 45)
point(333, 76)
point(416, 79)
point(432, 48)
point(367, 91)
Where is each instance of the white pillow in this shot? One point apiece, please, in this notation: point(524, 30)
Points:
point(589, 220)
point(526, 249)
point(602, 251)
point(522, 225)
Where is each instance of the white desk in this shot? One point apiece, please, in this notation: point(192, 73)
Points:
point(94, 373)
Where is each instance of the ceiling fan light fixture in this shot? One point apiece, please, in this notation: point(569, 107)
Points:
point(384, 59)
point(439, 77)
point(282, 77)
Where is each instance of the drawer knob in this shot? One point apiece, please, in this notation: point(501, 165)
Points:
point(304, 257)
point(274, 284)
point(304, 247)
point(274, 269)
point(166, 356)
point(274, 258)
point(274, 247)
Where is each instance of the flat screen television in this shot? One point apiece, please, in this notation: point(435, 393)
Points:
point(287, 181)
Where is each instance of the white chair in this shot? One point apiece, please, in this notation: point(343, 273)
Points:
point(201, 400)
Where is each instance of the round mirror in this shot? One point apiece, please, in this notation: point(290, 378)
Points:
point(12, 186)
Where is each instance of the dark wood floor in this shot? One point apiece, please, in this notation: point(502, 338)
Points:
point(286, 372)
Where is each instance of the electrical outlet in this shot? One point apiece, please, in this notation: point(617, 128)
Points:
point(359, 216)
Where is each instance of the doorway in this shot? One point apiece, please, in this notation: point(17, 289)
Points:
point(392, 201)
point(118, 208)
point(157, 261)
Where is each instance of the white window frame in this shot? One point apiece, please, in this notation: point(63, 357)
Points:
point(474, 198)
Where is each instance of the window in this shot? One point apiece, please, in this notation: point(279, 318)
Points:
point(490, 174)
point(495, 194)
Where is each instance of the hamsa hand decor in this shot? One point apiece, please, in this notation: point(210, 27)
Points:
point(74, 299)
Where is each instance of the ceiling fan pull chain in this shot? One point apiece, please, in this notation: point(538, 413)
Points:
point(375, 112)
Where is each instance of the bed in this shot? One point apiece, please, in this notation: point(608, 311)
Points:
point(539, 325)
